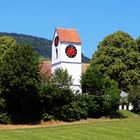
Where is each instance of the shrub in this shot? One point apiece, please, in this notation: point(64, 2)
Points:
point(70, 112)
point(88, 104)
point(4, 119)
point(47, 117)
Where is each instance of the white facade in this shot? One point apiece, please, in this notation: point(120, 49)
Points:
point(124, 96)
point(61, 60)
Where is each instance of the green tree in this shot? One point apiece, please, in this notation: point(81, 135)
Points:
point(19, 84)
point(56, 93)
point(61, 78)
point(5, 44)
point(134, 98)
point(104, 90)
point(138, 43)
point(117, 56)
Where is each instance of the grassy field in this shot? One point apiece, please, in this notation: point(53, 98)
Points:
point(100, 129)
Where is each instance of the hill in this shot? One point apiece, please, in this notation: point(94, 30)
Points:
point(41, 45)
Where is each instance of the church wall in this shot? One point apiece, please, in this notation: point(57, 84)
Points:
point(74, 70)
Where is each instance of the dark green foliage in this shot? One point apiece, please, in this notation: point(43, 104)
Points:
point(5, 44)
point(88, 105)
point(47, 117)
point(70, 112)
point(138, 43)
point(104, 91)
point(54, 98)
point(59, 101)
point(4, 119)
point(55, 93)
point(41, 45)
point(117, 59)
point(20, 80)
point(3, 112)
point(134, 98)
point(62, 79)
point(117, 56)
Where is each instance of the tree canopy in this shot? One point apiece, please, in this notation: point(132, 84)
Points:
point(19, 82)
point(5, 44)
point(134, 98)
point(104, 91)
point(117, 56)
point(115, 65)
point(61, 78)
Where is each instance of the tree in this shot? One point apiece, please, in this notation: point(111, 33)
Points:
point(20, 81)
point(134, 98)
point(5, 44)
point(104, 90)
point(138, 43)
point(62, 79)
point(56, 93)
point(117, 56)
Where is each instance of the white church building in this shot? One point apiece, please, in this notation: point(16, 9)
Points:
point(66, 54)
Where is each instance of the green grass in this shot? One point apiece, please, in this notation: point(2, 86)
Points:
point(102, 129)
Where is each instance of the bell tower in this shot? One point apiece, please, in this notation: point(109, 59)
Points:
point(66, 54)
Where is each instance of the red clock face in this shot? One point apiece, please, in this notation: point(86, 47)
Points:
point(56, 41)
point(71, 51)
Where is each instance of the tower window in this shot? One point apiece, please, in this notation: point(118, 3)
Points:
point(56, 53)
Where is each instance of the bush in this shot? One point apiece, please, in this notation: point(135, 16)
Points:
point(89, 105)
point(70, 112)
point(53, 100)
point(47, 117)
point(4, 119)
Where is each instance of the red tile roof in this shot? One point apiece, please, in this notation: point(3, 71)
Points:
point(68, 35)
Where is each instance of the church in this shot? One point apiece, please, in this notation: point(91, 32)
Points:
point(66, 54)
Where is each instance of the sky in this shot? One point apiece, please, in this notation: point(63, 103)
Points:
point(94, 19)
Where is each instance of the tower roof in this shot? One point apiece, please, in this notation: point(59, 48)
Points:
point(68, 35)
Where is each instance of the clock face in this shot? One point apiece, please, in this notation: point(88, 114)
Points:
point(71, 51)
point(56, 41)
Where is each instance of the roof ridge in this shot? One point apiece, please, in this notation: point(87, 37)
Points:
point(66, 28)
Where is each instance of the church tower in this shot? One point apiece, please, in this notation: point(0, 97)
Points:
point(66, 54)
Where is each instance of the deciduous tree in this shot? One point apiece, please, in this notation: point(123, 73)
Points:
point(19, 84)
point(134, 98)
point(117, 56)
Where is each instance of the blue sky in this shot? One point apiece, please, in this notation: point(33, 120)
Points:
point(94, 19)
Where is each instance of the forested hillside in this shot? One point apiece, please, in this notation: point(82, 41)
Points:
point(41, 45)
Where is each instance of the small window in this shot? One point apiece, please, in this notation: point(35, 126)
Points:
point(56, 53)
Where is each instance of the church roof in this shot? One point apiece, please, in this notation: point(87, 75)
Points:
point(68, 35)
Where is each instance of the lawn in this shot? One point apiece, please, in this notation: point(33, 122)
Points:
point(100, 129)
